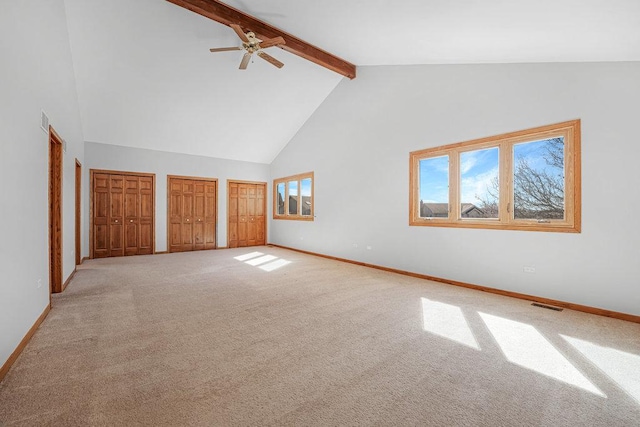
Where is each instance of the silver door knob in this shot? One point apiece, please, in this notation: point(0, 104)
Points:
point(130, 220)
point(116, 220)
point(187, 219)
point(199, 220)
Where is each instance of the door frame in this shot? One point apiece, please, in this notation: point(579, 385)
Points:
point(78, 218)
point(55, 211)
point(112, 172)
point(266, 196)
point(194, 178)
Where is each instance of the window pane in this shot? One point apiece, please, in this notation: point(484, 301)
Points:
point(434, 187)
point(305, 196)
point(479, 183)
point(281, 198)
point(293, 197)
point(538, 179)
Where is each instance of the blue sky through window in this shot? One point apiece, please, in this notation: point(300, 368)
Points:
point(534, 153)
point(434, 180)
point(305, 187)
point(478, 171)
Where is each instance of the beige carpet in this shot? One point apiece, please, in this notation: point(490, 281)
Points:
point(207, 339)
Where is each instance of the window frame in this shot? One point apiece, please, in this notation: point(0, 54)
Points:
point(569, 130)
point(285, 180)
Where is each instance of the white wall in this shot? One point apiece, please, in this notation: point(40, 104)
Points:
point(126, 159)
point(36, 72)
point(358, 145)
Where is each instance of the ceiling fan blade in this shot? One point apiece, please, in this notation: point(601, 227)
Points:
point(276, 41)
point(224, 49)
point(245, 61)
point(270, 59)
point(239, 32)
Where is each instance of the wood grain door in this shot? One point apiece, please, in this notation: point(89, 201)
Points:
point(116, 215)
point(55, 212)
point(131, 214)
point(252, 232)
point(192, 213)
point(259, 214)
point(247, 225)
point(242, 215)
point(210, 213)
point(100, 215)
point(122, 217)
point(198, 215)
point(175, 215)
point(232, 213)
point(186, 243)
point(145, 218)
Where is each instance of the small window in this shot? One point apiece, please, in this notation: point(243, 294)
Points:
point(538, 180)
point(434, 187)
point(479, 183)
point(294, 197)
point(305, 197)
point(280, 198)
point(526, 180)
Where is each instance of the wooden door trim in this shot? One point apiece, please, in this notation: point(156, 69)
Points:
point(92, 172)
point(78, 219)
point(194, 178)
point(55, 212)
point(266, 196)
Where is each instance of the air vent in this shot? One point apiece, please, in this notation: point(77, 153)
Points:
point(548, 307)
point(44, 121)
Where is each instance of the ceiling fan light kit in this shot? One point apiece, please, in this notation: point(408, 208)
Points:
point(251, 44)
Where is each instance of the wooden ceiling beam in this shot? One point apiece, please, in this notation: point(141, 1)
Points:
point(225, 14)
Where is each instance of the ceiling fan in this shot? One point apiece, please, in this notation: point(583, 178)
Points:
point(251, 44)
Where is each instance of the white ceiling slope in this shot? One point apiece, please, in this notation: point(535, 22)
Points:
point(146, 79)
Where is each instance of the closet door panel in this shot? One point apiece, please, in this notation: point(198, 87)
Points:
point(175, 215)
point(252, 230)
point(116, 215)
point(187, 215)
point(146, 216)
point(210, 197)
point(198, 215)
point(259, 217)
point(243, 219)
point(122, 214)
point(234, 218)
point(101, 215)
point(131, 215)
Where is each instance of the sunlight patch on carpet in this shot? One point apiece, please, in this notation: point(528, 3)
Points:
point(622, 367)
point(275, 265)
point(524, 346)
point(447, 321)
point(261, 260)
point(248, 256)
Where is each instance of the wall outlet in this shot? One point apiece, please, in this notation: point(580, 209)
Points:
point(368, 248)
point(355, 245)
point(39, 283)
point(529, 269)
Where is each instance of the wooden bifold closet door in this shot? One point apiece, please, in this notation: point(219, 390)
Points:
point(192, 213)
point(122, 214)
point(247, 206)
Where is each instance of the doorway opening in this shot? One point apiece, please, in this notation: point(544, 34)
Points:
point(78, 212)
point(55, 211)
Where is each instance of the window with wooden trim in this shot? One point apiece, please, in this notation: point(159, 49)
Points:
point(525, 180)
point(293, 197)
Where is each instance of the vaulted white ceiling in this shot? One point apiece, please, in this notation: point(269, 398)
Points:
point(146, 79)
